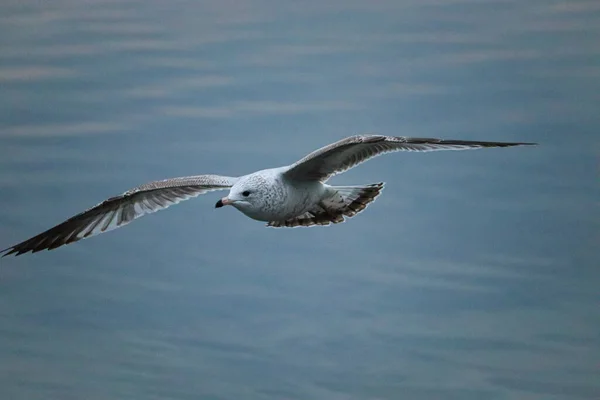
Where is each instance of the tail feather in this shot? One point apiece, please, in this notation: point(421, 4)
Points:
point(346, 202)
point(357, 198)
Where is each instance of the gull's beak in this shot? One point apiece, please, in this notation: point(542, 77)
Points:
point(223, 202)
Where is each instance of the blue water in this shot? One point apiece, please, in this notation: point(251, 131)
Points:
point(474, 276)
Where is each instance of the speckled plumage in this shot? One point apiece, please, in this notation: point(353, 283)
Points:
point(294, 195)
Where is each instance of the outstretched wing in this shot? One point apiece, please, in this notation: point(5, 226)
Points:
point(349, 152)
point(120, 210)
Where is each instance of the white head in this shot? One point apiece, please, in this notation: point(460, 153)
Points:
point(247, 195)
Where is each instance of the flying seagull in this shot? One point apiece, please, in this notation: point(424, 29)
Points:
point(290, 196)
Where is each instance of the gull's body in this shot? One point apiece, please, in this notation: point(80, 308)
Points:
point(289, 196)
point(281, 199)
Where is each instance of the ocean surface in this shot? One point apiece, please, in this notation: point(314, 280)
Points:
point(475, 275)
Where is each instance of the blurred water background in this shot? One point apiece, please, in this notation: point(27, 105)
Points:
point(474, 276)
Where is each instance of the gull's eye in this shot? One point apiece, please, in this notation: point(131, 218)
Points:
point(246, 193)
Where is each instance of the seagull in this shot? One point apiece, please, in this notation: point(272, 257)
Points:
point(290, 196)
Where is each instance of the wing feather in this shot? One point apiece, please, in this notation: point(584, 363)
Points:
point(121, 210)
point(351, 151)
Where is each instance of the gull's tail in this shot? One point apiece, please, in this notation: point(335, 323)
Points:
point(356, 198)
point(347, 201)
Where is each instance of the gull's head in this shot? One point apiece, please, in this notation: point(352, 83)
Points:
point(245, 195)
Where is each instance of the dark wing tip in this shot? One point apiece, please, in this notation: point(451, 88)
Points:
point(34, 245)
point(13, 250)
point(7, 252)
point(19, 249)
point(467, 142)
point(509, 144)
point(461, 143)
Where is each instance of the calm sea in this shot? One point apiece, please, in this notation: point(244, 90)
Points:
point(474, 276)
